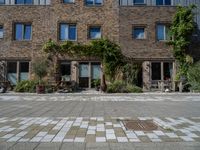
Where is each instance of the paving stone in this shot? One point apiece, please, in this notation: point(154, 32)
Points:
point(79, 139)
point(122, 139)
point(187, 139)
point(139, 133)
point(100, 139)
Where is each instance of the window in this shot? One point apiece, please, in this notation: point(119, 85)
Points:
point(68, 1)
point(93, 2)
point(1, 32)
point(95, 33)
point(68, 32)
point(138, 2)
point(2, 2)
point(23, 31)
point(162, 32)
point(23, 2)
point(163, 2)
point(139, 32)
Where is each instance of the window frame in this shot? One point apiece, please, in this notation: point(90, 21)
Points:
point(135, 3)
point(94, 26)
point(4, 2)
point(166, 38)
point(164, 3)
point(139, 26)
point(2, 28)
point(94, 3)
point(69, 24)
point(68, 2)
point(23, 33)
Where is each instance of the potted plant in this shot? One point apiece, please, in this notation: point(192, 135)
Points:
point(40, 70)
point(97, 83)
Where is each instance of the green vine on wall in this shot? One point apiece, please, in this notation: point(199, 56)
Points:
point(181, 30)
point(108, 52)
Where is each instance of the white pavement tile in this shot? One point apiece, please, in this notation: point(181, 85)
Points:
point(14, 139)
point(24, 140)
point(134, 140)
point(42, 134)
point(100, 139)
point(110, 131)
point(131, 135)
point(68, 140)
point(92, 128)
point(7, 136)
point(187, 139)
point(36, 139)
point(22, 133)
point(171, 135)
point(116, 125)
point(122, 139)
point(101, 129)
point(156, 140)
point(192, 135)
point(159, 133)
point(79, 139)
point(91, 132)
point(108, 123)
point(110, 136)
point(152, 136)
point(139, 133)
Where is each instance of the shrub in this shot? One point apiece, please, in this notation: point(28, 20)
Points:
point(26, 86)
point(193, 76)
point(122, 87)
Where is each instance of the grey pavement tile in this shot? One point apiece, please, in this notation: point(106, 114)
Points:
point(48, 146)
point(97, 146)
point(24, 146)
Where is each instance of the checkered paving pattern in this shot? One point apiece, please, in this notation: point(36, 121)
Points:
point(96, 129)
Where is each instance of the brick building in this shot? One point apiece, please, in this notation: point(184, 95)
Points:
point(139, 26)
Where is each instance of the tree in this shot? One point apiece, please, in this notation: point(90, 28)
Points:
point(181, 30)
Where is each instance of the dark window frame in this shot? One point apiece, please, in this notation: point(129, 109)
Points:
point(23, 34)
point(2, 28)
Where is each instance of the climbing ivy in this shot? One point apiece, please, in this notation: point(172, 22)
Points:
point(106, 51)
point(181, 30)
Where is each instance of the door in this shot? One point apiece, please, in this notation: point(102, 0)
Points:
point(12, 72)
point(84, 75)
point(95, 73)
point(24, 71)
point(65, 69)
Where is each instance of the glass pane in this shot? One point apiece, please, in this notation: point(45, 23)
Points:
point(96, 70)
point(18, 32)
point(28, 2)
point(89, 2)
point(167, 2)
point(65, 69)
point(12, 72)
point(72, 32)
point(68, 1)
point(138, 1)
point(159, 2)
point(138, 33)
point(2, 2)
point(168, 70)
point(167, 35)
point(63, 32)
point(160, 32)
point(19, 1)
point(1, 31)
point(98, 2)
point(27, 32)
point(84, 70)
point(156, 71)
point(95, 33)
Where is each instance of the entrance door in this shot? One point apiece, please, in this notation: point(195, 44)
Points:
point(12, 72)
point(65, 69)
point(84, 75)
point(24, 70)
point(95, 73)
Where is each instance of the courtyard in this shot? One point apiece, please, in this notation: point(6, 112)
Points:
point(97, 121)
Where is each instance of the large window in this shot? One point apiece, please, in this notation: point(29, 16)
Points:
point(23, 2)
point(139, 33)
point(68, 32)
point(93, 2)
point(139, 2)
point(22, 31)
point(68, 1)
point(1, 31)
point(163, 2)
point(162, 32)
point(2, 2)
point(95, 32)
